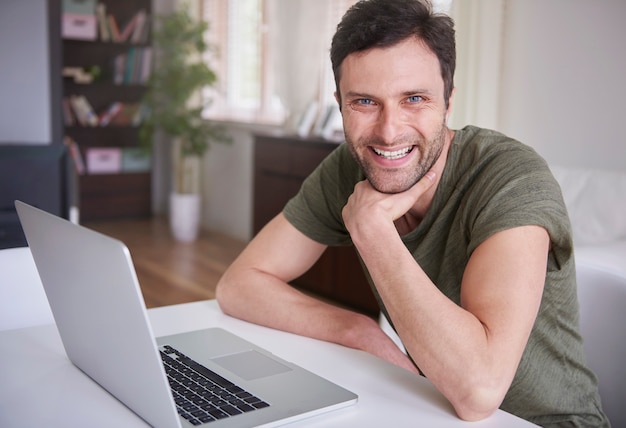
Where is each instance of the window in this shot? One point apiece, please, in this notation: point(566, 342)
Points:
point(253, 52)
point(272, 57)
point(236, 29)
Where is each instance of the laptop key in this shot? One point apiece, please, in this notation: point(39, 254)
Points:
point(234, 389)
point(208, 373)
point(201, 395)
point(218, 414)
point(245, 407)
point(230, 410)
point(260, 404)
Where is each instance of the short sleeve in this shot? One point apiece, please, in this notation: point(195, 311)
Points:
point(316, 208)
point(518, 189)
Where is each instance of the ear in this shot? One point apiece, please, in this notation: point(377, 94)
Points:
point(338, 99)
point(450, 103)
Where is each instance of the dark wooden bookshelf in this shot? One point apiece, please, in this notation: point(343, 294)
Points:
point(281, 163)
point(115, 195)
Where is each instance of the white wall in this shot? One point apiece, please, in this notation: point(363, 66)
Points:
point(562, 88)
point(25, 94)
point(564, 80)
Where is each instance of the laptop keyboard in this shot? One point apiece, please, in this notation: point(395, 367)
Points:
point(201, 395)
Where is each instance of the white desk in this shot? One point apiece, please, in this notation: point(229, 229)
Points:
point(40, 387)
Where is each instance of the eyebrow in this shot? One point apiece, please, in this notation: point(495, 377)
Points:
point(352, 94)
point(418, 92)
point(357, 95)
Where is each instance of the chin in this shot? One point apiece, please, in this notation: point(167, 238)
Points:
point(390, 187)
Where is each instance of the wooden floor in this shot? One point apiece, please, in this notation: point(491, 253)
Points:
point(171, 272)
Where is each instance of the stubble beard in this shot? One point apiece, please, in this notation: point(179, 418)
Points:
point(397, 180)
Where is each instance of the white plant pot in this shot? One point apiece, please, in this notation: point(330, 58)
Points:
point(185, 216)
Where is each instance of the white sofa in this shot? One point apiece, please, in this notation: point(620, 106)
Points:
point(596, 202)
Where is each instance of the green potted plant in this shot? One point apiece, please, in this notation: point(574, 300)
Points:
point(173, 106)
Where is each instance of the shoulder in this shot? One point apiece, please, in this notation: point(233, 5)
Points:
point(474, 145)
point(504, 183)
point(485, 157)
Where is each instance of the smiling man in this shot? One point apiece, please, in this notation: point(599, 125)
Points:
point(464, 234)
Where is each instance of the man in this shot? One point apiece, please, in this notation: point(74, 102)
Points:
point(464, 234)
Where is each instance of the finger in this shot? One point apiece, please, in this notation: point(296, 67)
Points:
point(424, 183)
point(418, 189)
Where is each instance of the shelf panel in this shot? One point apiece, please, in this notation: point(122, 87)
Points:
point(102, 93)
point(110, 196)
point(106, 136)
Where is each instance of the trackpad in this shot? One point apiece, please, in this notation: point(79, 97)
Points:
point(251, 365)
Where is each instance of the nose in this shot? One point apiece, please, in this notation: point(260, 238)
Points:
point(388, 125)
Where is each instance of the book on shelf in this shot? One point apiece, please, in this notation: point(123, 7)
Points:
point(307, 119)
point(129, 115)
point(103, 25)
point(133, 66)
point(142, 22)
point(83, 111)
point(113, 28)
point(109, 114)
point(126, 32)
point(146, 65)
point(77, 110)
point(90, 21)
point(77, 158)
point(130, 65)
point(68, 117)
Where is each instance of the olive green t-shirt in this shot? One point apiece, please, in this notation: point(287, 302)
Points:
point(490, 183)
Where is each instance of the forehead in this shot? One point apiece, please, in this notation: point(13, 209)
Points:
point(406, 66)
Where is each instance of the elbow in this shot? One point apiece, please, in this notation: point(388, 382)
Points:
point(471, 412)
point(223, 295)
point(478, 403)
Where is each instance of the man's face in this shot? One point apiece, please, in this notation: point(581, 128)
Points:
point(394, 113)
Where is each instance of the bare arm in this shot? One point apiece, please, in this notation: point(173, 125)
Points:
point(255, 288)
point(470, 352)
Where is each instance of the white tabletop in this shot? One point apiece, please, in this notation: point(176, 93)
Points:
point(40, 387)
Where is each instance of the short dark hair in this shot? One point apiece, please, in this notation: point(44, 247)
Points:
point(383, 23)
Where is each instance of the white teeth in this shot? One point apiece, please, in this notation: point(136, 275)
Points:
point(397, 154)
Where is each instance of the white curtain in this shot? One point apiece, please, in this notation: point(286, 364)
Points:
point(479, 36)
point(301, 48)
point(299, 41)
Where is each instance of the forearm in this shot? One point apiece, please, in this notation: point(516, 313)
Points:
point(435, 331)
point(273, 303)
point(256, 288)
point(263, 299)
point(469, 351)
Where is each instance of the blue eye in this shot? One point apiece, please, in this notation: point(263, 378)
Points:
point(365, 101)
point(414, 99)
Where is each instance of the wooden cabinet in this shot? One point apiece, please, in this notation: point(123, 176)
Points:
point(126, 192)
point(281, 163)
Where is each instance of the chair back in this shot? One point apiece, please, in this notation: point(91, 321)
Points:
point(602, 300)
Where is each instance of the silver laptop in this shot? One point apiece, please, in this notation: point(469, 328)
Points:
point(92, 288)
